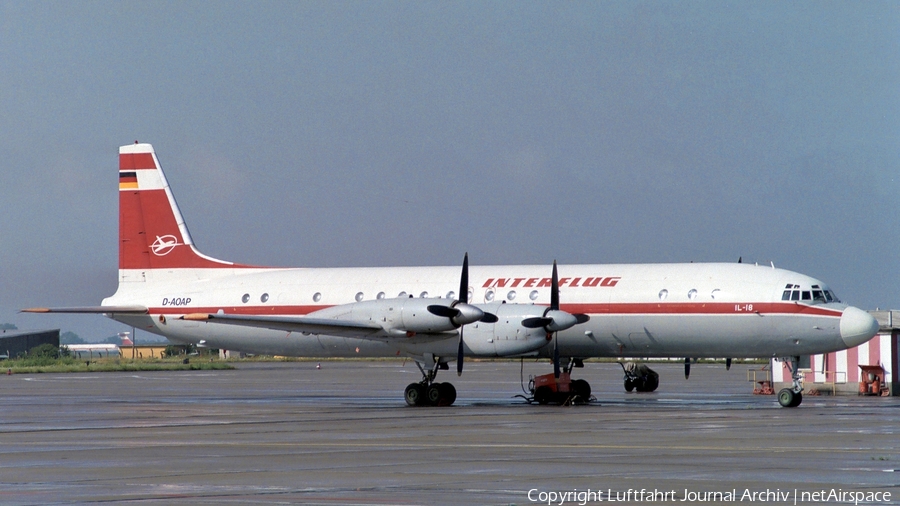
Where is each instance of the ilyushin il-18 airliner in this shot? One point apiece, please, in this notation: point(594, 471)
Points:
point(440, 315)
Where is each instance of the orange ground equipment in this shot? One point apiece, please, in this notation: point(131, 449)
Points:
point(871, 381)
point(563, 390)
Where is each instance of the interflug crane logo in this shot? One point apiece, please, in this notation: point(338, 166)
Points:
point(163, 245)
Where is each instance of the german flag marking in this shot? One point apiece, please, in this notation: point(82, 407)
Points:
point(128, 180)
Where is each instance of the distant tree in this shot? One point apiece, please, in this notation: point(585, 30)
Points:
point(70, 338)
point(116, 340)
point(173, 350)
point(8, 326)
point(45, 350)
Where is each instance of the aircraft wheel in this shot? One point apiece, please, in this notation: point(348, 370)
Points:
point(414, 394)
point(582, 388)
point(448, 394)
point(543, 395)
point(629, 385)
point(433, 394)
point(789, 399)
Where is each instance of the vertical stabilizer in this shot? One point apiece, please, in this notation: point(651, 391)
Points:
point(152, 233)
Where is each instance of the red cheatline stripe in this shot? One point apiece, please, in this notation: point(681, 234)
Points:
point(674, 309)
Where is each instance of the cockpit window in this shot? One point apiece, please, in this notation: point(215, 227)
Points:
point(787, 292)
point(817, 294)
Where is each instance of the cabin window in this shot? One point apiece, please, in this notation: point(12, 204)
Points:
point(317, 297)
point(511, 295)
point(359, 296)
point(663, 294)
point(246, 298)
point(380, 295)
point(692, 294)
point(533, 295)
point(423, 295)
point(715, 293)
point(264, 297)
point(451, 295)
point(489, 295)
point(401, 295)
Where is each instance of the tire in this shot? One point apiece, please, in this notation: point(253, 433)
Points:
point(414, 394)
point(448, 394)
point(788, 398)
point(433, 394)
point(543, 395)
point(582, 388)
point(629, 385)
point(651, 383)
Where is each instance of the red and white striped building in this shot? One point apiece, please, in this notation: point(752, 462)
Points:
point(840, 372)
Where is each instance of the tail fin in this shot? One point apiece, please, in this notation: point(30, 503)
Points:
point(152, 233)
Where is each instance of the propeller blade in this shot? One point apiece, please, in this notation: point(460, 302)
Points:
point(460, 354)
point(554, 289)
point(489, 318)
point(464, 281)
point(470, 313)
point(556, 356)
point(536, 322)
point(687, 368)
point(445, 311)
point(728, 365)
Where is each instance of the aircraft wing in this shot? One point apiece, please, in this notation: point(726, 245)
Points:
point(302, 324)
point(89, 310)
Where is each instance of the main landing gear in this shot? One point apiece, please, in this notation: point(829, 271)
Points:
point(639, 377)
point(793, 396)
point(429, 393)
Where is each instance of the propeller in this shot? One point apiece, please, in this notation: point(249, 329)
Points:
point(461, 312)
point(553, 319)
point(463, 300)
point(687, 367)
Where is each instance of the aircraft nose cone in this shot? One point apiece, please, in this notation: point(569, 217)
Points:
point(857, 327)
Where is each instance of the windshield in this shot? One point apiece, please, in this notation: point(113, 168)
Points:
point(814, 293)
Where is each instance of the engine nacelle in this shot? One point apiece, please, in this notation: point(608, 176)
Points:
point(508, 337)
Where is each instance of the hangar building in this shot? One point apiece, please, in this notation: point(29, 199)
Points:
point(15, 343)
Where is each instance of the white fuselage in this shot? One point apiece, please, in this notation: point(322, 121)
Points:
point(635, 310)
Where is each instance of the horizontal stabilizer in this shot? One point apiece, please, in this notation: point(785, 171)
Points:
point(89, 310)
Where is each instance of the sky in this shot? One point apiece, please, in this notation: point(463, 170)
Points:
point(345, 134)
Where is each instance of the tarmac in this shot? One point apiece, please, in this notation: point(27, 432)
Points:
point(289, 433)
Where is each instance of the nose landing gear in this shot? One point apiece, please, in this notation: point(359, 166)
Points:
point(793, 396)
